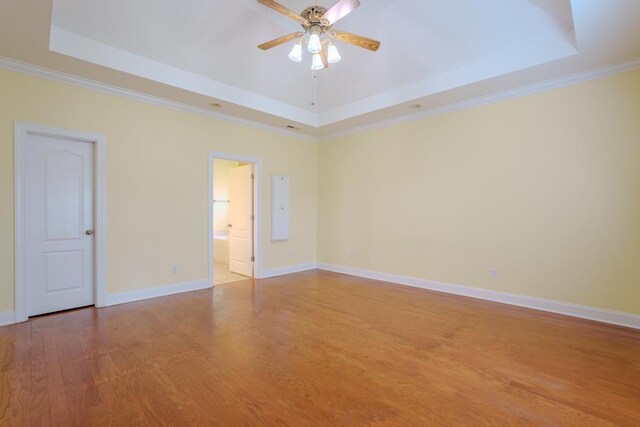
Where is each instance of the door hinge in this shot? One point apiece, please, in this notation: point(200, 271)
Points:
point(253, 217)
point(252, 176)
point(253, 259)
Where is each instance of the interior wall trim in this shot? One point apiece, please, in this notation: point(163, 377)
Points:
point(196, 285)
point(273, 272)
point(7, 318)
point(551, 84)
point(159, 291)
point(33, 70)
point(567, 309)
point(557, 83)
point(584, 312)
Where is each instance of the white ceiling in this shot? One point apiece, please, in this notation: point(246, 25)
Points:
point(433, 52)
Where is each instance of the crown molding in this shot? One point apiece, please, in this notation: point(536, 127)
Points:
point(557, 83)
point(547, 85)
point(33, 70)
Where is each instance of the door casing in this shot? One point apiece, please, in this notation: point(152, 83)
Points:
point(22, 130)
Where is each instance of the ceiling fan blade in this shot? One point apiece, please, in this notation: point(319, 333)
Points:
point(356, 40)
point(339, 10)
point(282, 10)
point(280, 40)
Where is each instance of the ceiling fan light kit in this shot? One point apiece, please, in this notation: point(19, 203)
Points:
point(314, 45)
point(333, 55)
point(296, 52)
point(317, 21)
point(316, 62)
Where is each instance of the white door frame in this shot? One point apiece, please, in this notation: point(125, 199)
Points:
point(22, 130)
point(257, 203)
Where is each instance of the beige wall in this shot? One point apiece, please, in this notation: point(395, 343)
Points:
point(156, 181)
point(544, 188)
point(221, 192)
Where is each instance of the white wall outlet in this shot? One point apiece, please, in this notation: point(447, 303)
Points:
point(369, 259)
point(494, 273)
point(174, 269)
point(352, 255)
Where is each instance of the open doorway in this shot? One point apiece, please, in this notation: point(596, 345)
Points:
point(234, 219)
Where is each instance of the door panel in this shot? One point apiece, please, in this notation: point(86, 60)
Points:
point(59, 209)
point(61, 271)
point(240, 211)
point(63, 192)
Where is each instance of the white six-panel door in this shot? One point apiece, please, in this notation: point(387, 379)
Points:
point(240, 217)
point(59, 224)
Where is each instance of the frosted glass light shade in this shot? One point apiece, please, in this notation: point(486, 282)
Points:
point(314, 45)
point(316, 62)
point(296, 52)
point(333, 55)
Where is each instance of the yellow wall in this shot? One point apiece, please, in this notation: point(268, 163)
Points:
point(544, 188)
point(156, 181)
point(221, 192)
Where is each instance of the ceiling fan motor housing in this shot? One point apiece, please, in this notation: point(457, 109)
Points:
point(313, 16)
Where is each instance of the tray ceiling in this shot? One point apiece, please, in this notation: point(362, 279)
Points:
point(433, 52)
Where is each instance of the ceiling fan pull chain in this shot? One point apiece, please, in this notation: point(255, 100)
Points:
point(314, 87)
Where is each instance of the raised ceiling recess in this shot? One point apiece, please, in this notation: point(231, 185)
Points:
point(434, 53)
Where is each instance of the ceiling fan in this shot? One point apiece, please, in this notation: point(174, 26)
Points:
point(317, 21)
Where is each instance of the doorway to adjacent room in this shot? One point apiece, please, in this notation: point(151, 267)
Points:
point(234, 216)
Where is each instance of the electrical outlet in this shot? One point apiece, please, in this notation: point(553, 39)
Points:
point(369, 259)
point(174, 269)
point(494, 273)
point(352, 255)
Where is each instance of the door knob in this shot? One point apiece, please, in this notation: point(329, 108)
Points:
point(88, 232)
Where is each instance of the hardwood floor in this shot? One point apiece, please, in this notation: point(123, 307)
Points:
point(317, 348)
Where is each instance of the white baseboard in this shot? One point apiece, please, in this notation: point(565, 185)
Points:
point(7, 318)
point(574, 310)
point(160, 291)
point(273, 272)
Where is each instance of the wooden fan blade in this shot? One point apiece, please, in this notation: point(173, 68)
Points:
point(339, 10)
point(357, 40)
point(282, 10)
point(323, 55)
point(280, 40)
